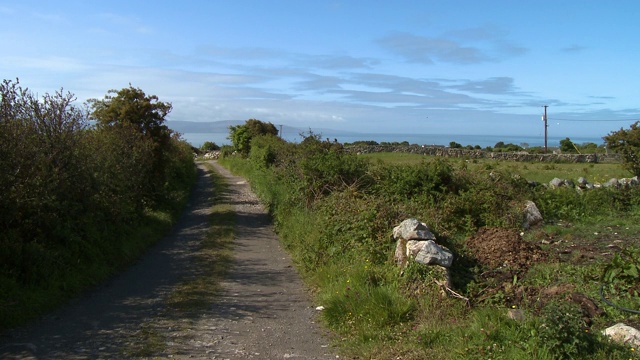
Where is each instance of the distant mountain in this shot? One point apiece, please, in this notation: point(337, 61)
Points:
point(185, 127)
point(222, 126)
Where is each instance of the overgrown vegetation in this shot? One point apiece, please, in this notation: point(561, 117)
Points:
point(80, 201)
point(335, 211)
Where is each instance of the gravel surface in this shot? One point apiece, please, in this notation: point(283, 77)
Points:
point(263, 311)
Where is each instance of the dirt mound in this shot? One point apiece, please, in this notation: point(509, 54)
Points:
point(497, 247)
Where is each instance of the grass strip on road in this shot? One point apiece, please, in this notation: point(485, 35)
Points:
point(194, 296)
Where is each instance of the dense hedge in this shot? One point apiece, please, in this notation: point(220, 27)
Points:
point(72, 197)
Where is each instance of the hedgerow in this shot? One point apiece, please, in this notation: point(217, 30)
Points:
point(78, 201)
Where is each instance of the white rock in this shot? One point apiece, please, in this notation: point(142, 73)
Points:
point(532, 215)
point(414, 246)
point(434, 254)
point(412, 229)
point(623, 334)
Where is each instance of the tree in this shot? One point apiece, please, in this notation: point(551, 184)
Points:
point(627, 144)
point(130, 109)
point(241, 135)
point(209, 146)
point(132, 106)
point(567, 146)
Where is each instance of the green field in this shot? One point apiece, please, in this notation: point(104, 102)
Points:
point(533, 171)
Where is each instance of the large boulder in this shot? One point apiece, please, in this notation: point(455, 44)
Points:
point(416, 241)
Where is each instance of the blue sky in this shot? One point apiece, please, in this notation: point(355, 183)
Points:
point(433, 67)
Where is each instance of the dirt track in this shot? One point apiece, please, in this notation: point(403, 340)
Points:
point(262, 313)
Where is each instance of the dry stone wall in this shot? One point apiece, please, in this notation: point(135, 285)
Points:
point(483, 154)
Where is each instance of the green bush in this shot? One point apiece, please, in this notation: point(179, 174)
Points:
point(265, 149)
point(427, 180)
point(209, 146)
point(562, 331)
point(74, 197)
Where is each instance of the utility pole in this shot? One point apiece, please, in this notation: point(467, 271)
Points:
point(280, 133)
point(544, 118)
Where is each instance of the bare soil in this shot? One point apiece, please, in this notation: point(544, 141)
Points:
point(504, 258)
point(263, 312)
point(497, 247)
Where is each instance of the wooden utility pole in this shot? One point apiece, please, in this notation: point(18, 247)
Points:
point(544, 118)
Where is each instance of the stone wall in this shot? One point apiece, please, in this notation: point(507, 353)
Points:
point(483, 154)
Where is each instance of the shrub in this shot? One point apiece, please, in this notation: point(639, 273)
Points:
point(627, 144)
point(209, 146)
point(429, 179)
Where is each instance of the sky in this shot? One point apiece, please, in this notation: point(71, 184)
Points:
point(407, 67)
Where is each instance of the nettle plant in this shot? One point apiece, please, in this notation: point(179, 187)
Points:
point(622, 277)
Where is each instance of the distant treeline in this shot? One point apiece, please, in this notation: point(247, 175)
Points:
point(566, 146)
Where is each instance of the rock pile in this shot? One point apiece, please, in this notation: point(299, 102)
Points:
point(584, 184)
point(211, 155)
point(416, 241)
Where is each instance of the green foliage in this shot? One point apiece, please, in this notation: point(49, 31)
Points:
point(566, 203)
point(455, 145)
point(132, 109)
point(121, 161)
point(502, 147)
point(563, 331)
point(429, 179)
point(241, 135)
point(621, 279)
point(131, 106)
point(209, 146)
point(264, 150)
point(567, 146)
point(360, 304)
point(627, 144)
point(624, 267)
point(75, 198)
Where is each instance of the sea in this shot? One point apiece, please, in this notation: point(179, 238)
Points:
point(197, 139)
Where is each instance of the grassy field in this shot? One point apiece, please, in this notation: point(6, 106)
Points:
point(533, 171)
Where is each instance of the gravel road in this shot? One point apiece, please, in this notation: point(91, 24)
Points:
point(263, 311)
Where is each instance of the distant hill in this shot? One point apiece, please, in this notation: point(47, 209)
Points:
point(222, 127)
point(185, 127)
